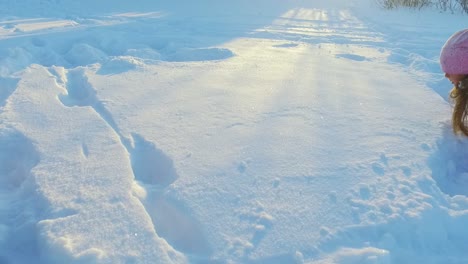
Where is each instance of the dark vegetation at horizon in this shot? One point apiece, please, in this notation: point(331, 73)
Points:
point(444, 5)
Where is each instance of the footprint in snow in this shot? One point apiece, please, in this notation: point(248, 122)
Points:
point(171, 219)
point(151, 165)
point(378, 168)
point(174, 222)
point(79, 90)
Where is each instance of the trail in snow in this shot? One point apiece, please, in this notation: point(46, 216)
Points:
point(152, 168)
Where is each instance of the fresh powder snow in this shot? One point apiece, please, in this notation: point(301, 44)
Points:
point(249, 131)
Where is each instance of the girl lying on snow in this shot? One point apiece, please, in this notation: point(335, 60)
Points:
point(454, 62)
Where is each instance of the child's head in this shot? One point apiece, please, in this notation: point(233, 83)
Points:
point(454, 54)
point(454, 62)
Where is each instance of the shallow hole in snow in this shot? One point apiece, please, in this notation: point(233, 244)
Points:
point(449, 163)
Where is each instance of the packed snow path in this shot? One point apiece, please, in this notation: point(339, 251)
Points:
point(250, 137)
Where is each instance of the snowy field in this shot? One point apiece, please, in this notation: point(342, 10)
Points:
point(249, 131)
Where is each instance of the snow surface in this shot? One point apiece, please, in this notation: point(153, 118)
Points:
point(260, 131)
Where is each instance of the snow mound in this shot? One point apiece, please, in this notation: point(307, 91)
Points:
point(120, 64)
point(83, 54)
point(15, 60)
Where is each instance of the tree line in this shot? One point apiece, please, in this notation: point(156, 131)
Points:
point(445, 5)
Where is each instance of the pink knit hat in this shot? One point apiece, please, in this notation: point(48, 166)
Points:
point(454, 54)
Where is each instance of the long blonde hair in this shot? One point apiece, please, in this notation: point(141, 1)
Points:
point(459, 95)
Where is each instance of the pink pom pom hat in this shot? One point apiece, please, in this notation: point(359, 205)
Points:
point(454, 54)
